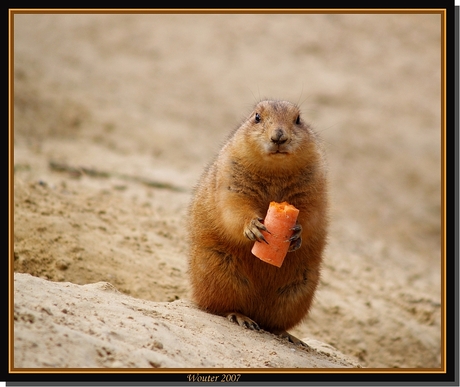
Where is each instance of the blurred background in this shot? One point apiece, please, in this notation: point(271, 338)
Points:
point(116, 115)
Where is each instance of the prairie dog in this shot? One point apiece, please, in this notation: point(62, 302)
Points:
point(273, 155)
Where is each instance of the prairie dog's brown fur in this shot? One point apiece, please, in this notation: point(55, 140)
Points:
point(273, 156)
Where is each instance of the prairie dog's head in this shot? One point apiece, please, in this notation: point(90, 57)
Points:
point(275, 132)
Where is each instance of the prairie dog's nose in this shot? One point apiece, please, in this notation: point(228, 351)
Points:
point(279, 136)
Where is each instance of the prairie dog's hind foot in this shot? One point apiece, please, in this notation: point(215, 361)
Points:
point(246, 322)
point(243, 321)
point(291, 339)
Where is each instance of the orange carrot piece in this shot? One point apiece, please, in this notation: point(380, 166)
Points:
point(280, 219)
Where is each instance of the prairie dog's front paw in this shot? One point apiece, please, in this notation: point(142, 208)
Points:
point(296, 238)
point(253, 231)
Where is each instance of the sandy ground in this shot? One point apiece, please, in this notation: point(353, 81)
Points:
point(95, 326)
point(115, 117)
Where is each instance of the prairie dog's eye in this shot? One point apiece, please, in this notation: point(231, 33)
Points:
point(257, 117)
point(297, 121)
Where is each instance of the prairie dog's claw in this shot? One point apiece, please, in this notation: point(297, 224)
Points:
point(297, 230)
point(254, 230)
point(295, 245)
point(295, 239)
point(292, 339)
point(243, 321)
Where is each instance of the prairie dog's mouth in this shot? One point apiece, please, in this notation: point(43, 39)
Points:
point(275, 149)
point(278, 152)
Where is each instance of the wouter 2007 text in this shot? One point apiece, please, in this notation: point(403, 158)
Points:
point(213, 378)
